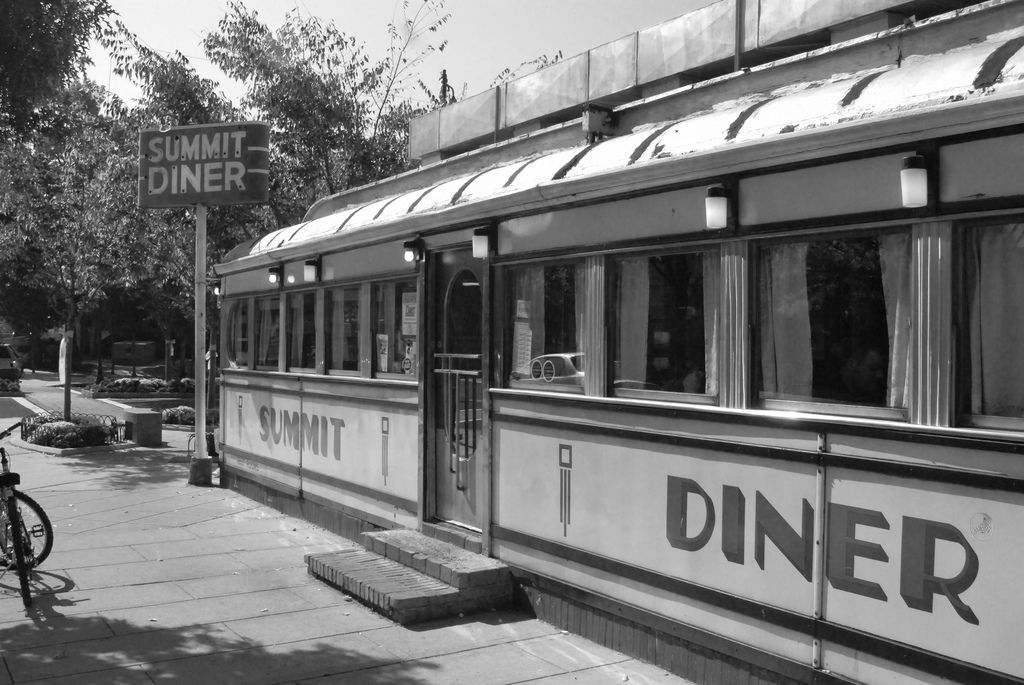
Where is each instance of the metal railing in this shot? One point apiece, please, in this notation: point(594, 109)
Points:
point(30, 425)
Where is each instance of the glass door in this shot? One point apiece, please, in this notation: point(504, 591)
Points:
point(457, 391)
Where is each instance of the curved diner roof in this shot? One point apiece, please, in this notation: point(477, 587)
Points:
point(984, 70)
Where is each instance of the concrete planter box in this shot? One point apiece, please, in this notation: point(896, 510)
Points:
point(71, 451)
point(99, 394)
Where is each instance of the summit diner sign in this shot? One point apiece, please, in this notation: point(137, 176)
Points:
point(209, 164)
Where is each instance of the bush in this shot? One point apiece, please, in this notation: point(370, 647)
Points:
point(186, 416)
point(144, 385)
point(10, 385)
point(182, 415)
point(52, 431)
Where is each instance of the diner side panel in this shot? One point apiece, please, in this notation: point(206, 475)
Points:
point(348, 443)
point(625, 504)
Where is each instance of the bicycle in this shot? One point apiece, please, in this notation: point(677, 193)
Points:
point(26, 535)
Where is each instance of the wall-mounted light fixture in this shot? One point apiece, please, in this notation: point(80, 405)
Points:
point(413, 250)
point(481, 243)
point(311, 270)
point(290, 279)
point(716, 208)
point(275, 274)
point(914, 181)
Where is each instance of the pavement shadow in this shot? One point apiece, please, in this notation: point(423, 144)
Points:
point(129, 468)
point(102, 649)
point(47, 588)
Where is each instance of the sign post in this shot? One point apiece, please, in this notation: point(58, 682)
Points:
point(199, 352)
point(209, 164)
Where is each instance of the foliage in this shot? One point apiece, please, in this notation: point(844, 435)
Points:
point(336, 116)
point(129, 384)
point(53, 431)
point(507, 74)
point(10, 385)
point(184, 415)
point(173, 95)
point(44, 45)
point(180, 415)
point(73, 242)
point(54, 214)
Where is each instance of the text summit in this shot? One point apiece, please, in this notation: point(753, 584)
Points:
point(197, 163)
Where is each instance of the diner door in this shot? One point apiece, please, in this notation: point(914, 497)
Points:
point(457, 386)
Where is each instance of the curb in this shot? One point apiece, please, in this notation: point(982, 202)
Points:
point(71, 451)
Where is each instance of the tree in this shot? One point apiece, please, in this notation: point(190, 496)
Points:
point(43, 45)
point(336, 116)
point(71, 233)
point(57, 209)
point(173, 94)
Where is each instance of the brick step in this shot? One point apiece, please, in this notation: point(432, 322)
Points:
point(410, 577)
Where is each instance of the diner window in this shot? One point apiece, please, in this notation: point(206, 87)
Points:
point(341, 328)
point(993, 324)
point(395, 317)
point(834, 321)
point(666, 337)
point(268, 331)
point(546, 311)
point(301, 330)
point(238, 334)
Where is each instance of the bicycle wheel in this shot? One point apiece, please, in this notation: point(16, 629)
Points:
point(37, 537)
point(15, 542)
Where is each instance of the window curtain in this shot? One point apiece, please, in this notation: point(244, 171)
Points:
point(237, 345)
point(349, 328)
point(267, 333)
point(634, 314)
point(336, 312)
point(528, 317)
point(894, 257)
point(580, 302)
point(995, 278)
point(296, 320)
point(710, 285)
point(786, 364)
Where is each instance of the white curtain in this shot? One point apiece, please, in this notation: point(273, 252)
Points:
point(267, 335)
point(634, 311)
point(995, 266)
point(528, 317)
point(894, 256)
point(296, 322)
point(579, 297)
point(239, 343)
point(712, 304)
point(337, 329)
point(786, 364)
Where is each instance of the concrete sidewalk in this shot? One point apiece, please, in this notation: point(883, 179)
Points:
point(155, 581)
point(44, 390)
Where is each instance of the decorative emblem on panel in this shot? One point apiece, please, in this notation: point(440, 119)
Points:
point(565, 486)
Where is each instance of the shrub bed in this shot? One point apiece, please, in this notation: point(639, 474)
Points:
point(123, 384)
point(186, 416)
point(10, 385)
point(54, 431)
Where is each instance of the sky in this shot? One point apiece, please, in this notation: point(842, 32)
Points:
point(484, 36)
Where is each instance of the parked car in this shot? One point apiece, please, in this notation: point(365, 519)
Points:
point(10, 362)
point(561, 368)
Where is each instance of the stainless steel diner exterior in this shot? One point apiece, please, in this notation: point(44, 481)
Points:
point(789, 445)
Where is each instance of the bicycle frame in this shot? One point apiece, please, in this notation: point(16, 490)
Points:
point(19, 537)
